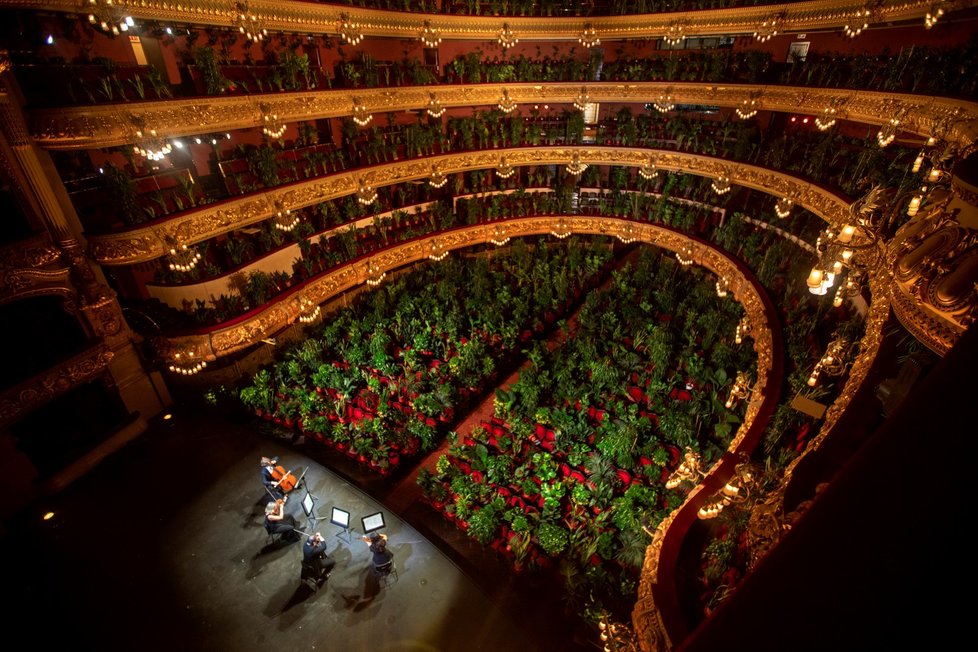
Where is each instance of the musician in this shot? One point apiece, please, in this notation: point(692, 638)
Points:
point(277, 521)
point(316, 564)
point(268, 475)
point(377, 544)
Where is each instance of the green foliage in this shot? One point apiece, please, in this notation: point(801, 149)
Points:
point(552, 537)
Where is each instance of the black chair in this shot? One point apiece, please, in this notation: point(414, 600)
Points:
point(384, 572)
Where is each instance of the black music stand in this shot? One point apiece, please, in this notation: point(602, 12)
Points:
point(309, 507)
point(373, 522)
point(341, 517)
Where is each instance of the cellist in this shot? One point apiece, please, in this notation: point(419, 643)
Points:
point(271, 478)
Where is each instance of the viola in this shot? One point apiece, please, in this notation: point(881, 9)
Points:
point(285, 480)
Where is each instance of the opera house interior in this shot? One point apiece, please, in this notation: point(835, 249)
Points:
point(284, 228)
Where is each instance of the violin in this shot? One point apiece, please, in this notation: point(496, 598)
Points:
point(284, 480)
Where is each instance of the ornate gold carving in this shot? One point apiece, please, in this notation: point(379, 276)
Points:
point(26, 269)
point(110, 125)
point(304, 18)
point(46, 386)
point(146, 243)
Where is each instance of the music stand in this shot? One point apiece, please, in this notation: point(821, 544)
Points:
point(373, 522)
point(309, 507)
point(341, 517)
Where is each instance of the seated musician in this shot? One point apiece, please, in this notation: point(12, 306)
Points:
point(278, 522)
point(316, 564)
point(270, 477)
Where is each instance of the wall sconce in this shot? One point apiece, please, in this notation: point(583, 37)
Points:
point(689, 470)
point(284, 220)
point(626, 234)
point(350, 31)
point(361, 115)
point(437, 250)
point(648, 171)
point(664, 103)
point(768, 29)
point(504, 170)
point(737, 490)
point(933, 14)
point(742, 331)
point(675, 33)
point(366, 194)
point(187, 363)
point(561, 230)
point(887, 132)
point(505, 104)
point(741, 389)
point(107, 17)
point(783, 207)
point(249, 24)
point(271, 125)
point(748, 108)
point(430, 36)
point(437, 179)
point(721, 286)
point(583, 99)
point(507, 38)
point(838, 356)
point(825, 121)
point(914, 205)
point(589, 37)
point(685, 255)
point(183, 258)
point(721, 185)
point(308, 311)
point(499, 236)
point(435, 109)
point(852, 287)
point(616, 637)
point(375, 276)
point(857, 23)
point(576, 167)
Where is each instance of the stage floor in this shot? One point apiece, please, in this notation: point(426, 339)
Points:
point(161, 547)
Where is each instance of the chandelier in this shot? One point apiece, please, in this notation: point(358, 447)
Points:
point(361, 115)
point(561, 230)
point(505, 104)
point(504, 170)
point(272, 126)
point(437, 251)
point(507, 38)
point(721, 185)
point(887, 132)
point(935, 12)
point(748, 108)
point(825, 121)
point(366, 194)
point(783, 207)
point(434, 109)
point(437, 179)
point(183, 258)
point(350, 31)
point(852, 287)
point(107, 17)
point(249, 24)
point(499, 236)
point(648, 171)
point(284, 220)
point(721, 286)
point(589, 37)
point(838, 356)
point(675, 34)
point(151, 146)
point(576, 167)
point(768, 29)
point(740, 390)
point(689, 470)
point(583, 99)
point(181, 361)
point(430, 36)
point(664, 104)
point(736, 490)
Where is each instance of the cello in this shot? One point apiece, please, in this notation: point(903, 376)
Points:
point(284, 480)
